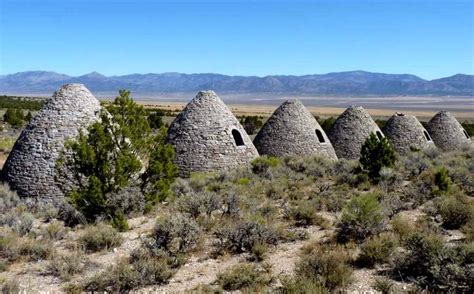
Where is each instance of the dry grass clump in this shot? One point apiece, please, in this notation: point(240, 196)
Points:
point(246, 277)
point(144, 267)
point(176, 234)
point(9, 286)
point(18, 220)
point(304, 213)
point(55, 230)
point(244, 236)
point(99, 237)
point(8, 198)
point(15, 248)
point(402, 227)
point(326, 265)
point(291, 284)
point(67, 265)
point(377, 250)
point(468, 231)
point(13, 213)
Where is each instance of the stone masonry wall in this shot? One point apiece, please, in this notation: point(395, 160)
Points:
point(350, 131)
point(447, 132)
point(31, 166)
point(406, 133)
point(202, 137)
point(291, 130)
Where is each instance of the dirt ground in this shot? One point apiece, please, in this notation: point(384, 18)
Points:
point(200, 269)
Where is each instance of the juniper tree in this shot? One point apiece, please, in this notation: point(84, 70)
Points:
point(14, 117)
point(375, 154)
point(117, 152)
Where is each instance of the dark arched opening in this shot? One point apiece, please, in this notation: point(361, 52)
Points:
point(237, 138)
point(466, 134)
point(320, 136)
point(379, 135)
point(427, 136)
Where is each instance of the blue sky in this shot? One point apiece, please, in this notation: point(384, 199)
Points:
point(431, 39)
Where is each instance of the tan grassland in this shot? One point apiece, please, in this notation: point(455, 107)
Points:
point(267, 110)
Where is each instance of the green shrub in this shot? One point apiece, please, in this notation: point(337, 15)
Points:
point(161, 171)
point(327, 123)
point(304, 214)
point(155, 120)
point(231, 204)
point(14, 117)
point(383, 285)
point(25, 103)
point(251, 124)
point(126, 201)
point(442, 180)
point(261, 165)
point(119, 221)
point(377, 250)
point(243, 236)
point(119, 278)
point(196, 204)
point(47, 212)
point(435, 266)
point(315, 166)
point(392, 204)
point(176, 234)
point(375, 154)
point(99, 237)
point(152, 268)
point(420, 189)
point(361, 217)
point(141, 269)
point(454, 212)
point(244, 276)
point(70, 215)
point(332, 201)
point(326, 265)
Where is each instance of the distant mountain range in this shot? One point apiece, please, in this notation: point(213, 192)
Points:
point(354, 83)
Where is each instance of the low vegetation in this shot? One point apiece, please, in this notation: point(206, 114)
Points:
point(99, 237)
point(326, 265)
point(246, 276)
point(285, 225)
